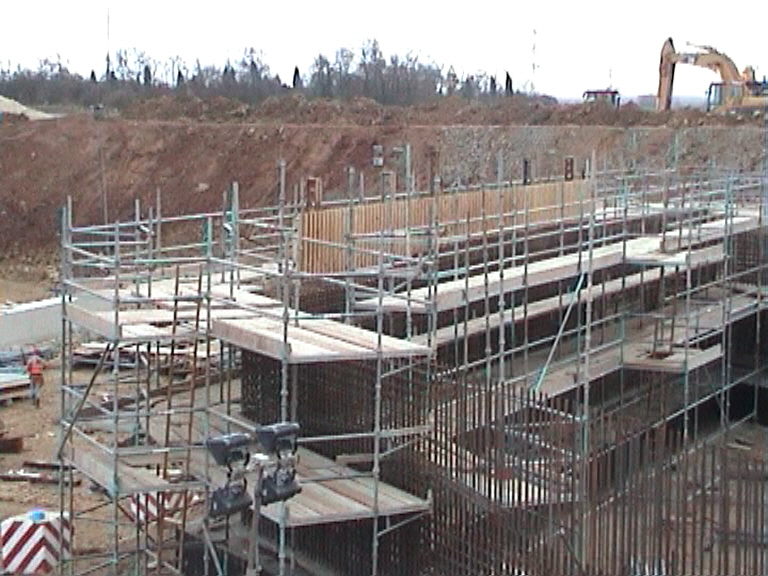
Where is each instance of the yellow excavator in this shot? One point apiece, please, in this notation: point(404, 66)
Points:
point(736, 92)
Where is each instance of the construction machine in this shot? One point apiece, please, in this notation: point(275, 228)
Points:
point(608, 96)
point(736, 91)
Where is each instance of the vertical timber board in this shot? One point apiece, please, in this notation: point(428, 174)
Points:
point(327, 223)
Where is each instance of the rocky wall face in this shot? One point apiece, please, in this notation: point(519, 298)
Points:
point(468, 153)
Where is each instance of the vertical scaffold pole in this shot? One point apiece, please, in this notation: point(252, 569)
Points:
point(501, 220)
point(115, 489)
point(65, 360)
point(377, 408)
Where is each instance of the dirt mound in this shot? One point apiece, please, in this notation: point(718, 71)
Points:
point(515, 110)
point(630, 115)
point(186, 107)
point(295, 108)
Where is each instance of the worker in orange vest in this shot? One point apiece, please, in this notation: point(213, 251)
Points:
point(35, 368)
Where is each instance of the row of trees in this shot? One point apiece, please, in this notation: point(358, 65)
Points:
point(133, 74)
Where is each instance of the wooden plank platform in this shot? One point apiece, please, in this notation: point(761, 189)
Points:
point(103, 325)
point(165, 315)
point(336, 499)
point(682, 259)
point(708, 319)
point(327, 498)
point(450, 334)
point(675, 363)
point(248, 320)
point(99, 466)
point(311, 341)
point(15, 385)
point(456, 293)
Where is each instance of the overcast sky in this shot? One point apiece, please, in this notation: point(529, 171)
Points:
point(578, 45)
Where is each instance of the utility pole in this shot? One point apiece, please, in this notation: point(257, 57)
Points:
point(533, 64)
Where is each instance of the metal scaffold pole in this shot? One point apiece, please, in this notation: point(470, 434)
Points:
point(586, 452)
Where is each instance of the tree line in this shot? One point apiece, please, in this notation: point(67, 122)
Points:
point(131, 74)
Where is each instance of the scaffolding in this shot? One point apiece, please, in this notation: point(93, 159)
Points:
point(485, 377)
point(185, 298)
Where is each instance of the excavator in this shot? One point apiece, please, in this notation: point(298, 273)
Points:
point(736, 92)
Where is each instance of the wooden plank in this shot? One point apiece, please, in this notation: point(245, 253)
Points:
point(301, 335)
point(248, 298)
point(312, 341)
point(450, 295)
point(674, 363)
point(165, 316)
point(100, 467)
point(148, 332)
point(339, 499)
point(682, 259)
point(448, 334)
point(390, 498)
point(393, 347)
point(265, 336)
point(251, 335)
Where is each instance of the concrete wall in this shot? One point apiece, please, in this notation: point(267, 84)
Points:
point(30, 323)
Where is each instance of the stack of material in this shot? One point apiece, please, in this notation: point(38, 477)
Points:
point(89, 354)
point(15, 383)
point(19, 357)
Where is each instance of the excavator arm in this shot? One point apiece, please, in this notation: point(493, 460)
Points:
point(708, 58)
point(666, 76)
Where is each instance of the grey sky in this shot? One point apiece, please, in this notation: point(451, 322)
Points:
point(578, 45)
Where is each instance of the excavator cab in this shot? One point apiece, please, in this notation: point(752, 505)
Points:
point(719, 93)
point(725, 96)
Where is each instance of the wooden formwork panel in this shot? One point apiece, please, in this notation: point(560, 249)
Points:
point(458, 213)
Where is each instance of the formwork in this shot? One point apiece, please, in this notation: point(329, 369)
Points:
point(510, 379)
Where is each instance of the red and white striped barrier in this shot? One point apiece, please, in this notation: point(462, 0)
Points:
point(144, 507)
point(31, 542)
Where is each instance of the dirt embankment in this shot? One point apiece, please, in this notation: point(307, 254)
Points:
point(191, 150)
point(519, 109)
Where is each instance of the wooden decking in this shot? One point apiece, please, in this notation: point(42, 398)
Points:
point(331, 495)
point(311, 341)
point(249, 320)
point(644, 250)
point(337, 499)
point(331, 492)
point(116, 477)
point(637, 349)
point(450, 334)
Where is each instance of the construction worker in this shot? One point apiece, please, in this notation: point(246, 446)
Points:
point(35, 368)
